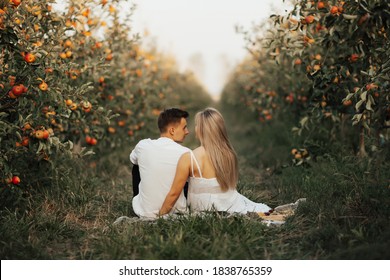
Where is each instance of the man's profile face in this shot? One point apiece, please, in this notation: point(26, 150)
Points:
point(180, 131)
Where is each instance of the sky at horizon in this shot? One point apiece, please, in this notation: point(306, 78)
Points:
point(201, 34)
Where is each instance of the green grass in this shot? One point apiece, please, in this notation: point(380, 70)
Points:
point(189, 237)
point(346, 215)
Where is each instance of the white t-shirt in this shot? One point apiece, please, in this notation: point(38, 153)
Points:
point(157, 161)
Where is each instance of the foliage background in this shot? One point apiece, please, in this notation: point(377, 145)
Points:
point(308, 113)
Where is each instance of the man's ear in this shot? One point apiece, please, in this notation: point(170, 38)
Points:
point(171, 130)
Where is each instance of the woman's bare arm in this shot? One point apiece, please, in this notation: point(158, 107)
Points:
point(182, 174)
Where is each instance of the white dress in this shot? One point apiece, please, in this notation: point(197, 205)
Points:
point(206, 195)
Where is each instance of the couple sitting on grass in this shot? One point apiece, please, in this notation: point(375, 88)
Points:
point(169, 178)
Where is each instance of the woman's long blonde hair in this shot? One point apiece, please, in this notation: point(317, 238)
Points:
point(213, 137)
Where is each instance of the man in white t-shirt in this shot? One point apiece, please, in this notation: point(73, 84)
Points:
point(157, 161)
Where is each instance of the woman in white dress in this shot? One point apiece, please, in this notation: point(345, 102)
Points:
point(211, 170)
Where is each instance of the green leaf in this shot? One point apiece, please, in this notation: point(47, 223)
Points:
point(40, 147)
point(304, 121)
point(359, 104)
point(371, 99)
point(18, 135)
point(366, 126)
point(363, 96)
point(387, 63)
point(384, 77)
point(350, 17)
point(385, 70)
point(69, 145)
point(368, 105)
point(349, 96)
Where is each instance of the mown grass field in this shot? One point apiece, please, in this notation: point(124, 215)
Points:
point(346, 215)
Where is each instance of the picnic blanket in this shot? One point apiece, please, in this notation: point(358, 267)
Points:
point(275, 217)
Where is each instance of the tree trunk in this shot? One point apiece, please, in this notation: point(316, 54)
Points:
point(342, 125)
point(362, 149)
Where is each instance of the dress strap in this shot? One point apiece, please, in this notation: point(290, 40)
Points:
point(193, 158)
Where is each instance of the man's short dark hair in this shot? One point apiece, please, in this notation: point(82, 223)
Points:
point(170, 116)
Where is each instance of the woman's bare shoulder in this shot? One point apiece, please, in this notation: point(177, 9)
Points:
point(201, 154)
point(199, 151)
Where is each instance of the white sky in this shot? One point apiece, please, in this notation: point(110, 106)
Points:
point(202, 30)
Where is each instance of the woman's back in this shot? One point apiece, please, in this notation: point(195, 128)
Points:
point(206, 168)
point(206, 194)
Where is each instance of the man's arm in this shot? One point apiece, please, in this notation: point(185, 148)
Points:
point(134, 155)
point(182, 173)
